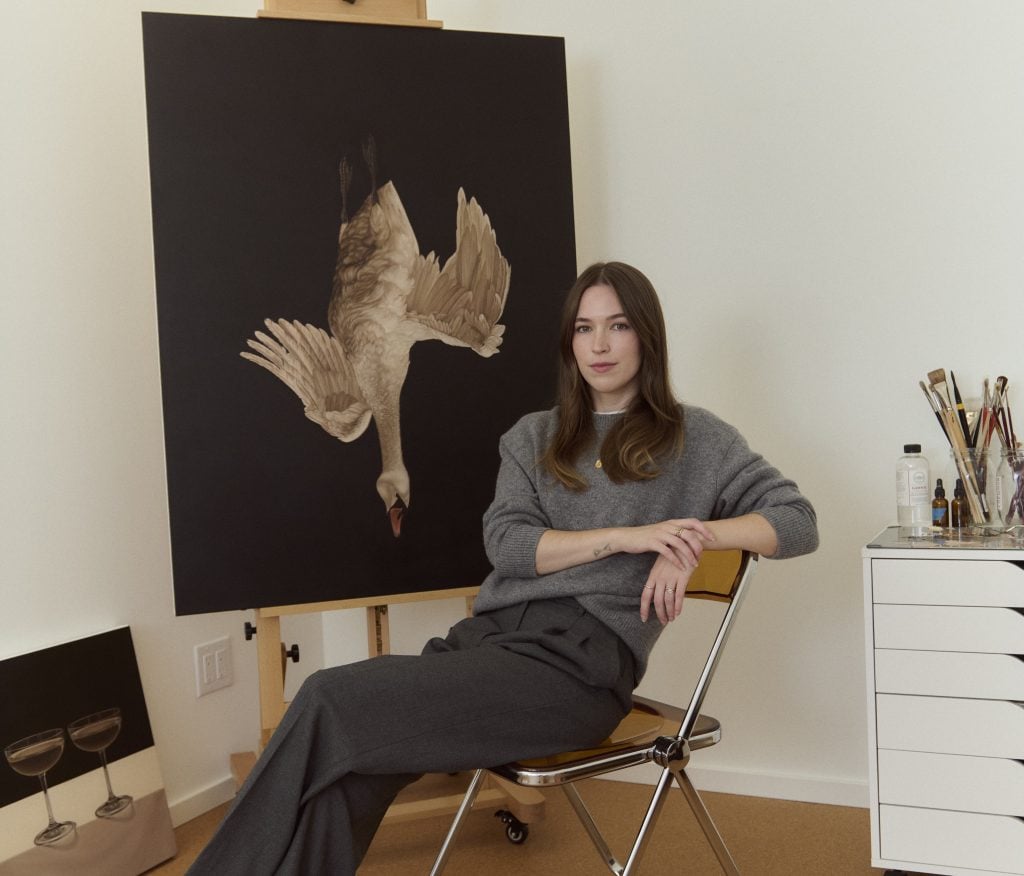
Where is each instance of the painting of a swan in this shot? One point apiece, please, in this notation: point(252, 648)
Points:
point(385, 297)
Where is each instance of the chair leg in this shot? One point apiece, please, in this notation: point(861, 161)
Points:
point(460, 818)
point(647, 826)
point(587, 820)
point(707, 825)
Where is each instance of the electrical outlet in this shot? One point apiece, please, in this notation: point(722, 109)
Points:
point(213, 666)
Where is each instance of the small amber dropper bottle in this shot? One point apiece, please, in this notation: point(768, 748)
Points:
point(959, 510)
point(940, 506)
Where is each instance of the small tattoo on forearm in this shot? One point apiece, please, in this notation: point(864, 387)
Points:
point(606, 549)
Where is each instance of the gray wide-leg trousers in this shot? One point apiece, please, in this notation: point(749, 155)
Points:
point(525, 681)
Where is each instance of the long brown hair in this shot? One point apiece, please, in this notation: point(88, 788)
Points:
point(652, 427)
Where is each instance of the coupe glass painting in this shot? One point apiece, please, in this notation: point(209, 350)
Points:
point(95, 733)
point(34, 756)
point(71, 771)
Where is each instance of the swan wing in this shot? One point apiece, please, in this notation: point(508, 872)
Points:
point(462, 303)
point(314, 366)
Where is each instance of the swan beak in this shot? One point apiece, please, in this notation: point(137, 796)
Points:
point(395, 513)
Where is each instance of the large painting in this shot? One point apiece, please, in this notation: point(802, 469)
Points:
point(80, 783)
point(363, 235)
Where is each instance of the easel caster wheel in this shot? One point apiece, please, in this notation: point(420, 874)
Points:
point(515, 830)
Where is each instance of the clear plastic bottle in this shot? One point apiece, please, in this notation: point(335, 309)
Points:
point(913, 488)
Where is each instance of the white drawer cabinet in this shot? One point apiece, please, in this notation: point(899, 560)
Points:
point(945, 670)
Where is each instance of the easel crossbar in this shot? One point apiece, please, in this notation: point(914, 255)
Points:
point(365, 602)
point(402, 13)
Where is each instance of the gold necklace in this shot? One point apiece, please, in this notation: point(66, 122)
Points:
point(597, 462)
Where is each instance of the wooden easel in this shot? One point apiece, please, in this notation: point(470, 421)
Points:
point(525, 804)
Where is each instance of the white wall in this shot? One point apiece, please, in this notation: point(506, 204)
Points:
point(828, 196)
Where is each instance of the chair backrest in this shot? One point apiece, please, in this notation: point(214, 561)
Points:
point(717, 576)
point(722, 576)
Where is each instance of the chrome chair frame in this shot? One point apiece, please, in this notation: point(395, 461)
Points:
point(670, 751)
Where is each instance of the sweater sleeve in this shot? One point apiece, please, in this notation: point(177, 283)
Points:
point(749, 483)
point(515, 520)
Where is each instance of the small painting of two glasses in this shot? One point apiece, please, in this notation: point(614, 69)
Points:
point(37, 754)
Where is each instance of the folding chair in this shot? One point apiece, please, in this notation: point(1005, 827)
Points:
point(651, 732)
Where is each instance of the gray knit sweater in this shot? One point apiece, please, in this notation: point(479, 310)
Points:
point(717, 476)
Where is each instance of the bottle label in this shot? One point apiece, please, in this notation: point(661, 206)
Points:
point(919, 492)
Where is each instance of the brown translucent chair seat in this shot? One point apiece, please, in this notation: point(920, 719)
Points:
point(653, 732)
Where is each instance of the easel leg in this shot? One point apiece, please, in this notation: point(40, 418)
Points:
point(378, 631)
point(272, 704)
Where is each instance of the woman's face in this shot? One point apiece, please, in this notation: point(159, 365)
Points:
point(607, 349)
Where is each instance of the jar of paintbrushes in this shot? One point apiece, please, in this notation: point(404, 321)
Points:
point(991, 488)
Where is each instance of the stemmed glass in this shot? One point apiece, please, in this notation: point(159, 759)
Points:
point(95, 733)
point(35, 756)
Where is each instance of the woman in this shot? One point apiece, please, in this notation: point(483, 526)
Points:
point(602, 508)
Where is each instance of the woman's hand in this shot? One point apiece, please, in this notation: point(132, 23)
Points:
point(665, 589)
point(680, 541)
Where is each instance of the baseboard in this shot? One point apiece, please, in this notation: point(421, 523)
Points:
point(187, 808)
point(781, 786)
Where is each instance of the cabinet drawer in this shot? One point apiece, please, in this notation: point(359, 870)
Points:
point(950, 674)
point(992, 785)
point(950, 628)
point(987, 728)
point(948, 582)
point(952, 839)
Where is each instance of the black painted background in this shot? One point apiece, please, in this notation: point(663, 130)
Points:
point(248, 120)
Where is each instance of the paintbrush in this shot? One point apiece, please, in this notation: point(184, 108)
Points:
point(981, 424)
point(934, 406)
point(998, 411)
point(937, 381)
point(975, 499)
point(1011, 437)
point(960, 411)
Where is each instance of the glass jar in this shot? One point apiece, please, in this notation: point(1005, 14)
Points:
point(977, 471)
point(1009, 487)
